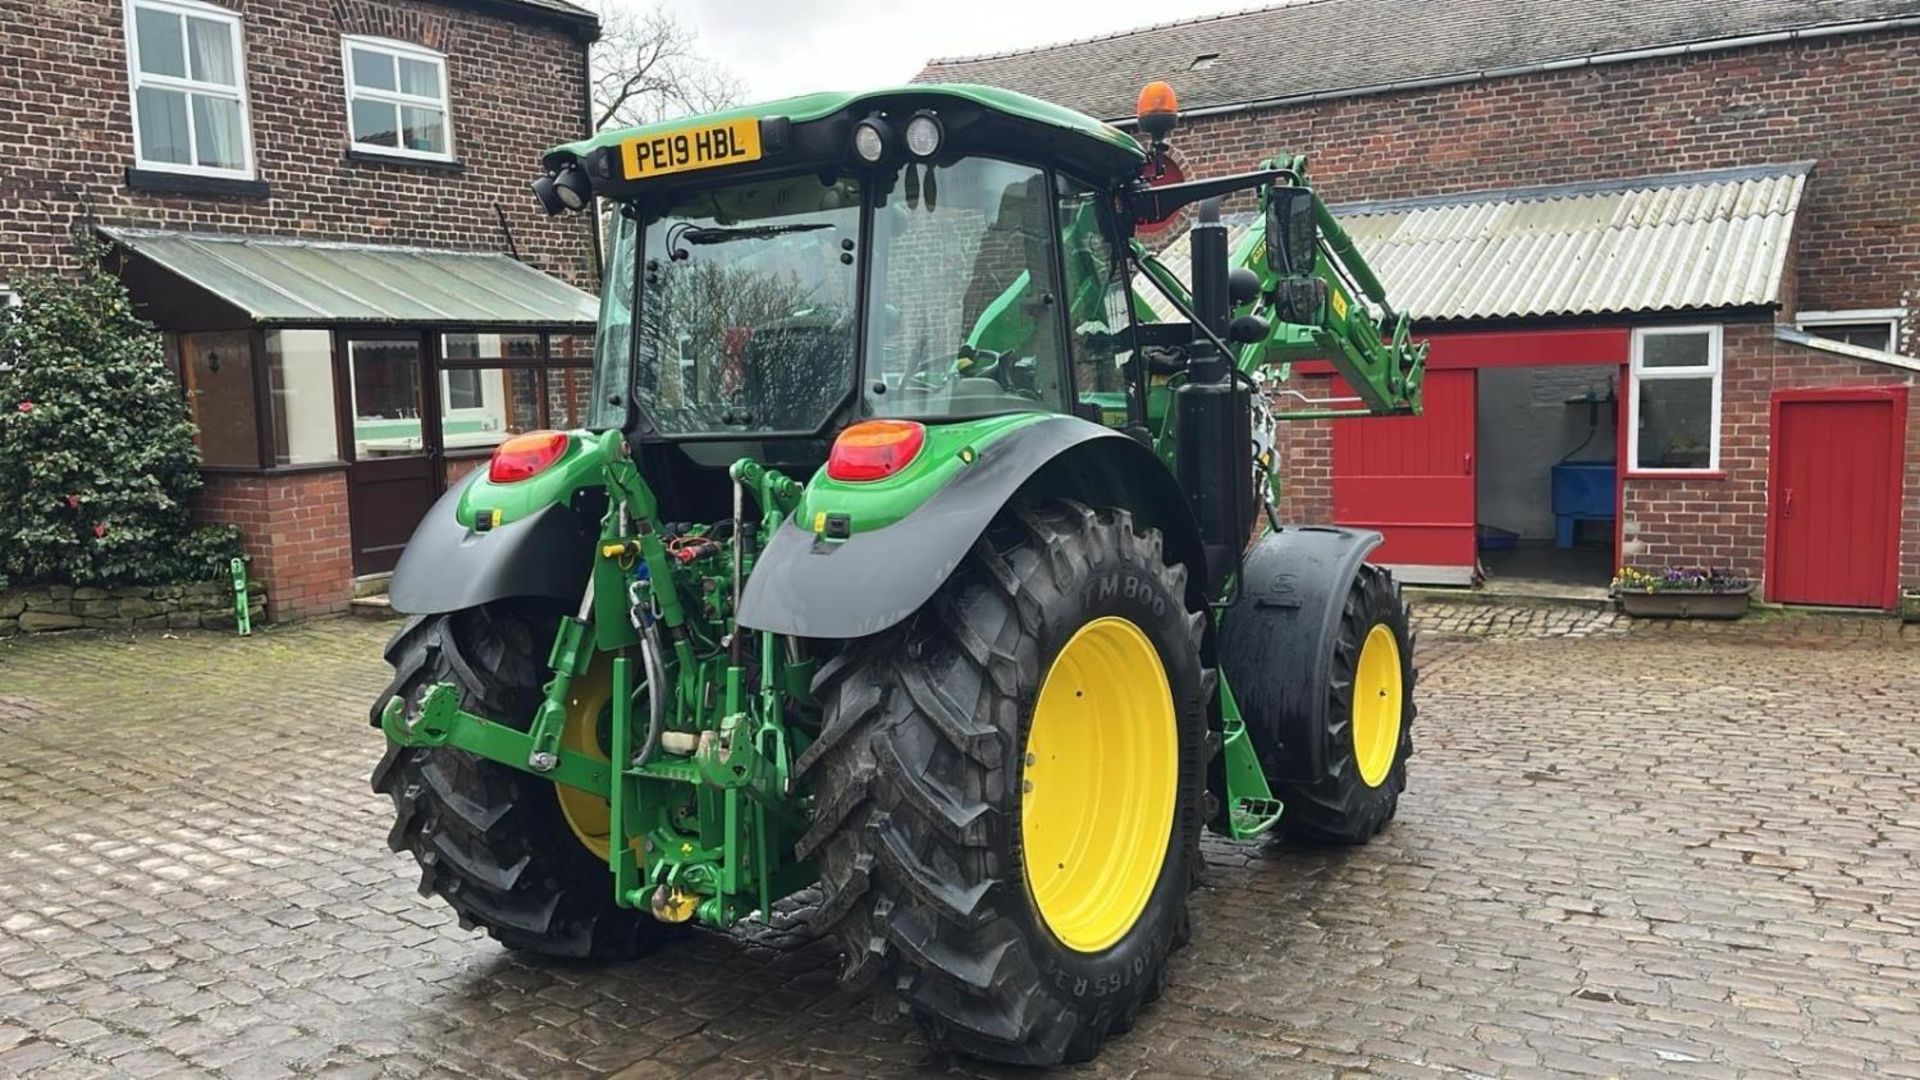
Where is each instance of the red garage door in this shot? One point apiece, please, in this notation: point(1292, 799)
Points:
point(1412, 479)
point(1833, 497)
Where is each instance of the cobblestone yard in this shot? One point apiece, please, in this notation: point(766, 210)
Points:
point(1673, 850)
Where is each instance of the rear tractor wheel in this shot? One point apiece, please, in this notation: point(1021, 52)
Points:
point(1009, 789)
point(517, 855)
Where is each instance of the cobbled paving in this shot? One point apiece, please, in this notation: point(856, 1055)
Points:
point(1645, 850)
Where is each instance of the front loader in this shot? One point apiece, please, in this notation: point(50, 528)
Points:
point(909, 555)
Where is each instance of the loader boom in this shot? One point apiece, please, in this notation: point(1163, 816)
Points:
point(1323, 311)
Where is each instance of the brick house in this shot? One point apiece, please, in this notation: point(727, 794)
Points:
point(1682, 237)
point(323, 205)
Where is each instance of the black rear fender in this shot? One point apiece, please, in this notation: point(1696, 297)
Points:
point(806, 587)
point(447, 566)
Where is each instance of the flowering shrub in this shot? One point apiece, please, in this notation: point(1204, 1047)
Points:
point(97, 458)
point(1695, 579)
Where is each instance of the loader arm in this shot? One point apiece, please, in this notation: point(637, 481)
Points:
point(1323, 312)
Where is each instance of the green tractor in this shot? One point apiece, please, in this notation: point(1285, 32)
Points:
point(912, 556)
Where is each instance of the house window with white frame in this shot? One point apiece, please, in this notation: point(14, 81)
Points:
point(188, 77)
point(397, 99)
point(1873, 329)
point(1676, 400)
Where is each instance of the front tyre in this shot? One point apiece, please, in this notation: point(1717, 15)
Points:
point(1009, 789)
point(500, 845)
point(1370, 712)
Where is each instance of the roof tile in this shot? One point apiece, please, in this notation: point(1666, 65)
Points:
point(1330, 46)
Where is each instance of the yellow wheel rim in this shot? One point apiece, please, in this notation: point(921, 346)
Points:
point(587, 814)
point(1377, 699)
point(1101, 775)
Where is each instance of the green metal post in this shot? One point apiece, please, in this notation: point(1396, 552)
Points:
point(1251, 808)
point(242, 606)
point(572, 652)
point(626, 869)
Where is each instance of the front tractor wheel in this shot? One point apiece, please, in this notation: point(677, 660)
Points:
point(517, 855)
point(1009, 786)
point(1366, 730)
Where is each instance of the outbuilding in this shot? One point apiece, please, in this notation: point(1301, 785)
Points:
point(1665, 254)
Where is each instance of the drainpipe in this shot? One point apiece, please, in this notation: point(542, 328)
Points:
point(597, 265)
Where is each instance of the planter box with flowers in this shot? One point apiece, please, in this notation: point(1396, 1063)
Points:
point(1683, 592)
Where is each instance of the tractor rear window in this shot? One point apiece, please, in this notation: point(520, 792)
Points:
point(963, 320)
point(745, 320)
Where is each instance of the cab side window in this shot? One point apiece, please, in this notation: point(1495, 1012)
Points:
point(1096, 302)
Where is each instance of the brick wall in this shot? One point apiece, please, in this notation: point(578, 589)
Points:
point(66, 129)
point(295, 532)
point(1306, 456)
point(458, 467)
point(515, 89)
point(1723, 520)
point(1847, 102)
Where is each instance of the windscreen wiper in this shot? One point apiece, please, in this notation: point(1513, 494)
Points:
point(715, 234)
point(683, 234)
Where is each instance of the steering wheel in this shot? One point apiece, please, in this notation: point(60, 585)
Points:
point(928, 381)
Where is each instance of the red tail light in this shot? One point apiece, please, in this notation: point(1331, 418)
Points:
point(526, 455)
point(875, 449)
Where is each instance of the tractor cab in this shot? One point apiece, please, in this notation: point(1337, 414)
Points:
point(780, 273)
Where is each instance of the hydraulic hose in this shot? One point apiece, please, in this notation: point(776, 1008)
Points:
point(656, 685)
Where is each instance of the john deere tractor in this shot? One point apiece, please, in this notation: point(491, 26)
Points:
point(910, 555)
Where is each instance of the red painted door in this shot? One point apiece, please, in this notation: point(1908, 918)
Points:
point(1412, 479)
point(1834, 497)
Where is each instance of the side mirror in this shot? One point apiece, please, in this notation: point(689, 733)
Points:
point(1292, 232)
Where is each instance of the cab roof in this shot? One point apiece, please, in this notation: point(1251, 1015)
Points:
point(1022, 122)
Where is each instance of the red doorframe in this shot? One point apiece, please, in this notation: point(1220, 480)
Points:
point(1525, 348)
point(1586, 346)
point(1591, 346)
point(1897, 397)
point(1622, 419)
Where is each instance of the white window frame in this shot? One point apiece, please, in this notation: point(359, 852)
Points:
point(492, 395)
point(1811, 321)
point(1713, 368)
point(395, 97)
point(136, 79)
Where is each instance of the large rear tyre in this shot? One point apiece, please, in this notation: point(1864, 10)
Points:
point(1369, 730)
point(495, 842)
point(1009, 789)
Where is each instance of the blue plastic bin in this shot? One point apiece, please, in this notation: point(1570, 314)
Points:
point(1582, 491)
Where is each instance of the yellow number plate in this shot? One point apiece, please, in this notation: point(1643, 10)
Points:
point(707, 146)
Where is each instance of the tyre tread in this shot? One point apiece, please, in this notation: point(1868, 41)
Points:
point(919, 727)
point(490, 840)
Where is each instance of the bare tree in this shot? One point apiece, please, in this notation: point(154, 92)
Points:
point(646, 68)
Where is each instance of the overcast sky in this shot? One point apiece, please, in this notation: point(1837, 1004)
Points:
point(784, 47)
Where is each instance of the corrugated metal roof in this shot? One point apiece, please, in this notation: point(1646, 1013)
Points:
point(1297, 50)
point(1690, 241)
point(279, 281)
